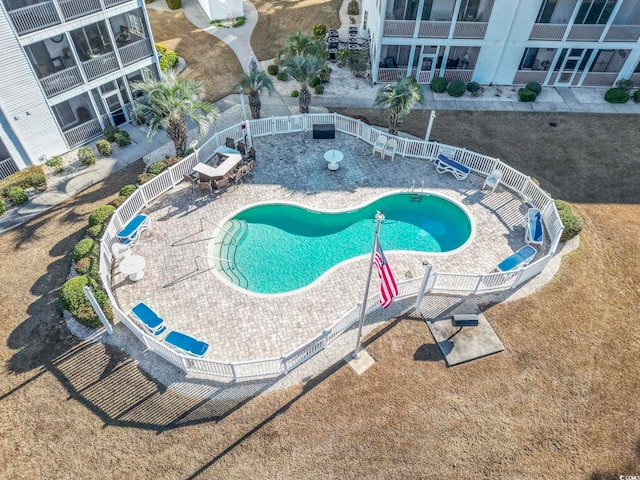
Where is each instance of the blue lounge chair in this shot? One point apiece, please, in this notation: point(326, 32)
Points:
point(150, 319)
point(131, 231)
point(534, 231)
point(223, 149)
point(519, 259)
point(445, 164)
point(187, 344)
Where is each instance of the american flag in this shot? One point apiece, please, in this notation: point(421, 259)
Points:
point(388, 286)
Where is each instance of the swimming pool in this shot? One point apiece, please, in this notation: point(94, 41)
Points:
point(276, 247)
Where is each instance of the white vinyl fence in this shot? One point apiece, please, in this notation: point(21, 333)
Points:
point(454, 283)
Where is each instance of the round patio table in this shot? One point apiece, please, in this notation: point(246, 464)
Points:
point(333, 157)
point(133, 266)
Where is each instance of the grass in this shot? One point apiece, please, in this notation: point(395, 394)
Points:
point(208, 59)
point(278, 18)
point(559, 402)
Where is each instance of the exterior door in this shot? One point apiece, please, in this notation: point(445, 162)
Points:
point(427, 67)
point(115, 107)
point(569, 61)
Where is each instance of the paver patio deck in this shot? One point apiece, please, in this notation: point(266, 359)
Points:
point(242, 326)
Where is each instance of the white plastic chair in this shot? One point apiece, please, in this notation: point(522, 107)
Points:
point(390, 149)
point(379, 145)
point(493, 180)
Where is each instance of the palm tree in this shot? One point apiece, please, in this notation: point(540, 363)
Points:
point(299, 43)
point(304, 68)
point(169, 102)
point(252, 83)
point(398, 98)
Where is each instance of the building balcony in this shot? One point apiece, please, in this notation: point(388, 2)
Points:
point(82, 133)
point(61, 81)
point(623, 33)
point(432, 29)
point(470, 30)
point(599, 79)
point(132, 52)
point(399, 28)
point(77, 8)
point(587, 33)
point(113, 3)
point(100, 65)
point(464, 74)
point(391, 74)
point(523, 77)
point(547, 31)
point(34, 17)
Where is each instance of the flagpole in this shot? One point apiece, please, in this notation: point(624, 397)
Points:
point(363, 306)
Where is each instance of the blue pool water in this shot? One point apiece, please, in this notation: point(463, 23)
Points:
point(287, 247)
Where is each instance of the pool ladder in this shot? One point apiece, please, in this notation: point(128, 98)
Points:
point(415, 196)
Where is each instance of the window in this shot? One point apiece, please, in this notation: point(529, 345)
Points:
point(546, 11)
point(135, 25)
point(65, 114)
point(594, 12)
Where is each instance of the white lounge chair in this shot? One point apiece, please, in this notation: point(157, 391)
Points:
point(379, 145)
point(390, 149)
point(534, 230)
point(493, 180)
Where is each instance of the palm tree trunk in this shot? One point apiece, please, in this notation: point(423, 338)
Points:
point(394, 121)
point(255, 104)
point(177, 131)
point(304, 99)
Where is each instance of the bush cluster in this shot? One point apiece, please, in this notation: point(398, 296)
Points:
point(535, 87)
point(110, 133)
point(3, 207)
point(319, 89)
point(104, 147)
point(73, 299)
point(320, 31)
point(473, 87)
point(123, 139)
point(16, 195)
point(325, 73)
point(55, 163)
point(353, 8)
point(456, 88)
point(30, 177)
point(171, 161)
point(144, 178)
point(273, 69)
point(526, 95)
point(314, 82)
point(83, 248)
point(617, 95)
point(96, 231)
point(168, 58)
point(101, 214)
point(439, 85)
point(282, 76)
point(127, 190)
point(174, 4)
point(636, 96)
point(573, 224)
point(86, 155)
point(156, 168)
point(295, 93)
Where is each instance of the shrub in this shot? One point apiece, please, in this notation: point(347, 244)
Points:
point(526, 95)
point(101, 214)
point(157, 168)
point(315, 81)
point(473, 87)
point(273, 69)
point(110, 133)
point(16, 195)
point(96, 231)
point(616, 95)
point(83, 248)
point(144, 178)
point(38, 180)
point(73, 299)
point(295, 93)
point(3, 207)
point(535, 87)
point(174, 4)
point(123, 139)
point(636, 96)
point(171, 161)
point(357, 61)
point(573, 224)
point(319, 31)
point(325, 73)
point(439, 84)
point(353, 8)
point(625, 84)
point(104, 147)
point(282, 76)
point(319, 89)
point(168, 58)
point(25, 179)
point(86, 155)
point(127, 190)
point(456, 88)
point(119, 200)
point(88, 266)
point(55, 163)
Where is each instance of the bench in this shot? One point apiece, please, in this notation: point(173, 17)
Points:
point(444, 164)
point(464, 320)
point(324, 131)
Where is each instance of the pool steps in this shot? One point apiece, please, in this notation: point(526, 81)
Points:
point(225, 248)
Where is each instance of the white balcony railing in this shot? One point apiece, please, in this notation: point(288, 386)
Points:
point(523, 77)
point(61, 81)
point(623, 33)
point(34, 17)
point(547, 31)
point(7, 167)
point(434, 29)
point(135, 51)
point(586, 32)
point(470, 30)
point(113, 3)
point(391, 74)
point(458, 74)
point(399, 28)
point(599, 79)
point(77, 8)
point(80, 134)
point(96, 67)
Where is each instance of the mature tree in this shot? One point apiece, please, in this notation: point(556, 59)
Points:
point(303, 69)
point(299, 43)
point(169, 102)
point(252, 83)
point(398, 98)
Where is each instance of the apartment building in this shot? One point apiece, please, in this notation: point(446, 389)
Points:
point(68, 70)
point(506, 42)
